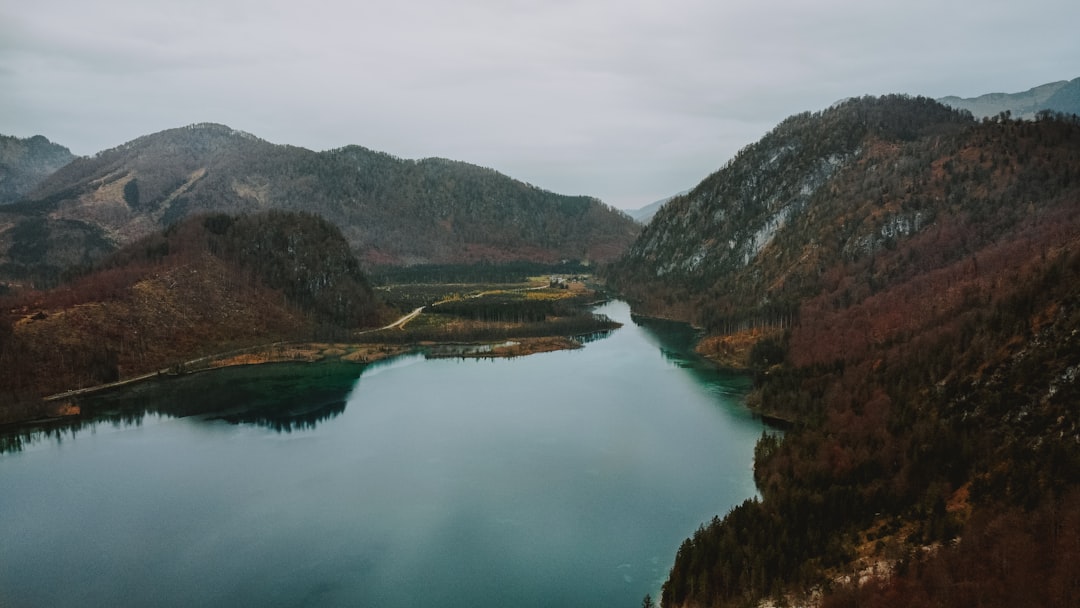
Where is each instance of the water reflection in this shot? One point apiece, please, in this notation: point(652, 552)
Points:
point(569, 478)
point(594, 336)
point(285, 397)
point(288, 417)
point(674, 338)
point(676, 341)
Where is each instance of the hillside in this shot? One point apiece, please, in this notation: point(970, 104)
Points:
point(24, 163)
point(743, 242)
point(391, 210)
point(207, 284)
point(41, 250)
point(906, 282)
point(1062, 96)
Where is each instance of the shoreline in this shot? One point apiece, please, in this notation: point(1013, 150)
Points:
point(65, 405)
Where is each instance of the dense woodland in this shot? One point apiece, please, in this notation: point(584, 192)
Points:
point(201, 287)
point(483, 272)
point(392, 211)
point(24, 163)
point(916, 274)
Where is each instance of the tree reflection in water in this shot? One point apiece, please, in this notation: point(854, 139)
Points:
point(285, 397)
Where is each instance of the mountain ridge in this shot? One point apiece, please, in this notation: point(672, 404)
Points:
point(391, 210)
point(1060, 96)
point(711, 236)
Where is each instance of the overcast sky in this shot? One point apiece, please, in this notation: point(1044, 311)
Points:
point(627, 101)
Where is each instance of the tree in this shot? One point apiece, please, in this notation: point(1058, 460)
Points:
point(766, 353)
point(131, 193)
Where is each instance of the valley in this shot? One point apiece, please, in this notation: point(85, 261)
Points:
point(535, 314)
point(892, 280)
point(488, 479)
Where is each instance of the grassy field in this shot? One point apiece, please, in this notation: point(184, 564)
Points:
point(471, 312)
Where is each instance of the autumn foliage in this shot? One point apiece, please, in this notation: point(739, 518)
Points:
point(204, 286)
point(925, 289)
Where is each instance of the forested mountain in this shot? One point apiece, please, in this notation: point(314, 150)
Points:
point(391, 211)
point(909, 278)
point(24, 163)
point(743, 243)
point(204, 285)
point(1062, 96)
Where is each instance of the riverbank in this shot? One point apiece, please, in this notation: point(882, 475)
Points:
point(66, 404)
point(515, 348)
point(522, 458)
point(416, 331)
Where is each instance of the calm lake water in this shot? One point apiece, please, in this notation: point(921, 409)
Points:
point(558, 479)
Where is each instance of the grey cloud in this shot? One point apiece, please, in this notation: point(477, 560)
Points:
point(628, 101)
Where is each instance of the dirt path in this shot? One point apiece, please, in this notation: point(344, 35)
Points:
point(400, 323)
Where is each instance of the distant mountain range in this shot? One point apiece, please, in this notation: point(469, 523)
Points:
point(645, 214)
point(1062, 96)
point(391, 210)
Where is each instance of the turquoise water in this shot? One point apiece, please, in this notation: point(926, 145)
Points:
point(558, 479)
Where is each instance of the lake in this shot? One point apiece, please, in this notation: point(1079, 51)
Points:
point(559, 479)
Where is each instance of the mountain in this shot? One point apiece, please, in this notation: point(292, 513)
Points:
point(1065, 100)
point(905, 283)
point(1062, 96)
point(645, 214)
point(391, 211)
point(203, 286)
point(24, 163)
point(744, 240)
